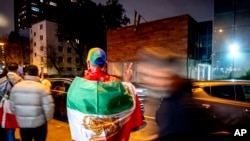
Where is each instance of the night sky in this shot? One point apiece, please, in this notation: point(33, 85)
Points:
point(200, 10)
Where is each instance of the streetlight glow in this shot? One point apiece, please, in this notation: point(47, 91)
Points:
point(234, 50)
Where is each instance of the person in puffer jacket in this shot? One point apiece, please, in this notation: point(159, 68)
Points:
point(33, 105)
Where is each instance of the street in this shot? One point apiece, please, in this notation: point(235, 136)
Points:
point(147, 129)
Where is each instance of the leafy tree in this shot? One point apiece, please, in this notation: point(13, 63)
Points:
point(113, 14)
point(84, 24)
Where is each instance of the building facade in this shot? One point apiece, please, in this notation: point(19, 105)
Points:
point(231, 44)
point(179, 34)
point(48, 53)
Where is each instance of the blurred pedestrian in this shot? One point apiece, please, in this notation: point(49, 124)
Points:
point(45, 80)
point(179, 116)
point(33, 105)
point(100, 106)
point(8, 121)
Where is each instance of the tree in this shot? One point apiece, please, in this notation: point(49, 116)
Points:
point(113, 14)
point(17, 49)
point(84, 24)
point(53, 58)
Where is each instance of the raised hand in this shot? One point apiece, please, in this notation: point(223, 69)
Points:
point(127, 72)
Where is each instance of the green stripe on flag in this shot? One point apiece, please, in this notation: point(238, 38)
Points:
point(100, 98)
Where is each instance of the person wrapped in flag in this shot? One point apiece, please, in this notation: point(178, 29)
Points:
point(100, 107)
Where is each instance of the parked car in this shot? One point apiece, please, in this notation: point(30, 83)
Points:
point(59, 90)
point(227, 100)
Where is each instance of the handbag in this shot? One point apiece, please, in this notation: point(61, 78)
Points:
point(7, 118)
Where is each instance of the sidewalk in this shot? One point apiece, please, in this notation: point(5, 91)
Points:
point(59, 131)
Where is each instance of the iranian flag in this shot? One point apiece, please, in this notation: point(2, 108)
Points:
point(100, 111)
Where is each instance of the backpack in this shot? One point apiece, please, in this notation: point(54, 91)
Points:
point(4, 86)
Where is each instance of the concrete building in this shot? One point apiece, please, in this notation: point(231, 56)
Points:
point(48, 53)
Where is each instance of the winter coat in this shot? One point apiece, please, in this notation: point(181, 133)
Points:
point(31, 102)
point(13, 77)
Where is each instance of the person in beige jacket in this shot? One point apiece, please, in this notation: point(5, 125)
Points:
point(33, 105)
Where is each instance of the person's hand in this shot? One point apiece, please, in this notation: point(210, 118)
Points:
point(127, 72)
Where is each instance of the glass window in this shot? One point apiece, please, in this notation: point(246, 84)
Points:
point(239, 93)
point(34, 33)
point(41, 37)
point(41, 48)
point(60, 59)
point(60, 48)
point(246, 91)
point(69, 59)
point(226, 92)
point(77, 60)
point(207, 90)
point(41, 26)
point(69, 50)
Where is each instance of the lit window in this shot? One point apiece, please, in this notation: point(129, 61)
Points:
point(35, 9)
point(52, 3)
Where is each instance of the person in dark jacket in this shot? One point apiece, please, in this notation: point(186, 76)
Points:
point(179, 116)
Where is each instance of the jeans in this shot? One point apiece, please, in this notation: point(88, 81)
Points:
point(38, 133)
point(10, 134)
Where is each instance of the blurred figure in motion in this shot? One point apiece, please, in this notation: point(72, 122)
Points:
point(179, 117)
point(100, 106)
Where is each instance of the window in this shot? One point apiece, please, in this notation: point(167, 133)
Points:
point(69, 50)
point(41, 48)
point(69, 59)
point(207, 90)
point(226, 92)
point(246, 91)
point(34, 33)
point(77, 60)
point(41, 59)
point(35, 54)
point(34, 44)
point(60, 48)
point(60, 59)
point(41, 37)
point(41, 26)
